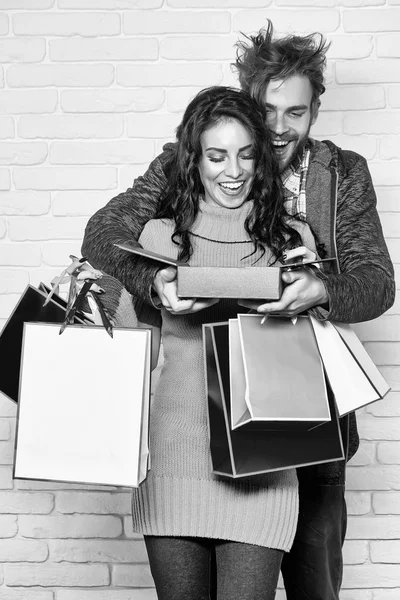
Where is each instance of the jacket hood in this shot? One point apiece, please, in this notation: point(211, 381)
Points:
point(330, 156)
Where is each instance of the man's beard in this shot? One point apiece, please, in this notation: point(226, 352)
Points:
point(296, 152)
point(296, 155)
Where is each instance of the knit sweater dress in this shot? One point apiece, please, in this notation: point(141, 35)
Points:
point(181, 496)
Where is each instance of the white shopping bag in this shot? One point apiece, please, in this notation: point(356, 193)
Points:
point(352, 375)
point(83, 405)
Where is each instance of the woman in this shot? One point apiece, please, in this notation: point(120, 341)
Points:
point(223, 207)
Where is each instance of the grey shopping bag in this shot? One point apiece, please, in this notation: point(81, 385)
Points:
point(277, 378)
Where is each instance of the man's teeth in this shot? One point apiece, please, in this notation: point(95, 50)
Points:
point(232, 186)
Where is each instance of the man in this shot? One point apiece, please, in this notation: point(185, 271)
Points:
point(332, 190)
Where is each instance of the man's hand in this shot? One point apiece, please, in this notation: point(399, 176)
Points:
point(303, 290)
point(166, 287)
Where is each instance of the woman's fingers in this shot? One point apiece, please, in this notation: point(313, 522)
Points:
point(300, 252)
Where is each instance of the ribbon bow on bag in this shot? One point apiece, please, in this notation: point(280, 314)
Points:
point(82, 279)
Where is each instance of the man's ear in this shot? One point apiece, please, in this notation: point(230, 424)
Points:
point(315, 110)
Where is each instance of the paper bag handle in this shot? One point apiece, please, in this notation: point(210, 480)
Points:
point(80, 270)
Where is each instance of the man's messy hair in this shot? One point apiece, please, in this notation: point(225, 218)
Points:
point(260, 58)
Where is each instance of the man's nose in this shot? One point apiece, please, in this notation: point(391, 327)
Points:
point(278, 124)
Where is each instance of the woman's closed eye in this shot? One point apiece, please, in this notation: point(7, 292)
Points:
point(216, 159)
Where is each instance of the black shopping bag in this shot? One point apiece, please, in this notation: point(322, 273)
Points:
point(29, 308)
point(240, 453)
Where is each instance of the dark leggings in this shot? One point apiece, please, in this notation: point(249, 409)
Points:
point(181, 569)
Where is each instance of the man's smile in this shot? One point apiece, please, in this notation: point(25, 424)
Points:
point(279, 143)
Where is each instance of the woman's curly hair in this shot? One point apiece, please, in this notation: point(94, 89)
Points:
point(266, 223)
point(261, 58)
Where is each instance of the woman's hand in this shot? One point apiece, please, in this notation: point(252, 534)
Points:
point(302, 291)
point(300, 252)
point(165, 285)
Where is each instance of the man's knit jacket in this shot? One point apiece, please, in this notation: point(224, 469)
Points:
point(341, 211)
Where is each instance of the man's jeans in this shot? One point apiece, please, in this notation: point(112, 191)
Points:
point(313, 569)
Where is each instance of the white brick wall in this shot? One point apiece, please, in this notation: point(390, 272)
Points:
point(90, 90)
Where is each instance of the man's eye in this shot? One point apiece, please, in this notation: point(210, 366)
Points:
point(296, 115)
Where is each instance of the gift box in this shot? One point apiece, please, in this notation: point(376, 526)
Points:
point(83, 409)
point(252, 283)
point(259, 283)
point(242, 452)
point(263, 283)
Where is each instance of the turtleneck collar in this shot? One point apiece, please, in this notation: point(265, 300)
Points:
point(221, 224)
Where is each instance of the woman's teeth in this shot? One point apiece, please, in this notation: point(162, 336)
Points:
point(234, 187)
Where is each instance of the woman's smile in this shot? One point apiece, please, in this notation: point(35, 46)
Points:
point(232, 188)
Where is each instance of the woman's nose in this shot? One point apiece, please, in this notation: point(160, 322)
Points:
point(233, 169)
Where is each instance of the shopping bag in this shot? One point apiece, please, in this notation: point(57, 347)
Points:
point(352, 375)
point(240, 452)
point(83, 405)
point(30, 307)
point(277, 378)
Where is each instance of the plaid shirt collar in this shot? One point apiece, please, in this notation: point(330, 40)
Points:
point(294, 183)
